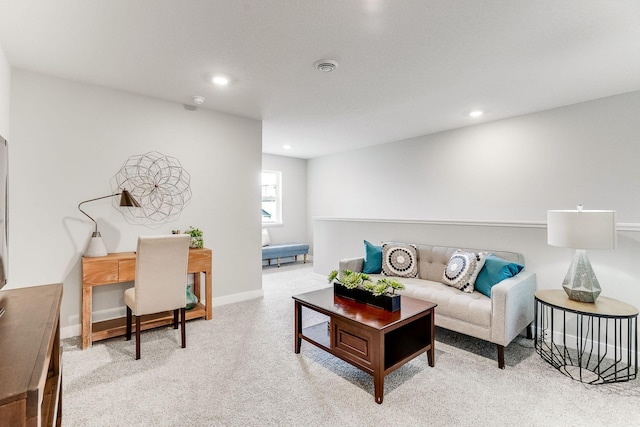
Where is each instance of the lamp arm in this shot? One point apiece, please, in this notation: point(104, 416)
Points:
point(93, 200)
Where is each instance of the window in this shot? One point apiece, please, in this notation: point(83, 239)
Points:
point(271, 197)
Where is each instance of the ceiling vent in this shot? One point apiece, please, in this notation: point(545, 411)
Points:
point(326, 65)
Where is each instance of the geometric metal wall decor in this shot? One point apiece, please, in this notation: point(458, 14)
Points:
point(158, 183)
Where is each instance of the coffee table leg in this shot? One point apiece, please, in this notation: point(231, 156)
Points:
point(378, 386)
point(297, 328)
point(378, 368)
point(431, 353)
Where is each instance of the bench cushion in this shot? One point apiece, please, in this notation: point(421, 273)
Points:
point(284, 250)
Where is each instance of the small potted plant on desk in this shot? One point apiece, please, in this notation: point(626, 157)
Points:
point(196, 237)
point(359, 287)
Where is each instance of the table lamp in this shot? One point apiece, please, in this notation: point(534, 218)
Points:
point(96, 246)
point(581, 230)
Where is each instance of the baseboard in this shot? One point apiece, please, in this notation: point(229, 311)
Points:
point(75, 330)
point(571, 340)
point(230, 299)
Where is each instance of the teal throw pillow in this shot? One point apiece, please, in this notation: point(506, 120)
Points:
point(495, 270)
point(372, 258)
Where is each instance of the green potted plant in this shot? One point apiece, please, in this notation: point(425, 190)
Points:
point(359, 287)
point(196, 237)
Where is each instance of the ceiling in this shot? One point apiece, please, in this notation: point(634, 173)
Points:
point(406, 67)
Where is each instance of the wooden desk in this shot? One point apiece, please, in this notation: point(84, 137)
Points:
point(121, 267)
point(30, 357)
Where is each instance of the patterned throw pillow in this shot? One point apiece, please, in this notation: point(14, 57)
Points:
point(399, 259)
point(462, 269)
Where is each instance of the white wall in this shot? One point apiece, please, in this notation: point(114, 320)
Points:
point(294, 198)
point(5, 94)
point(513, 169)
point(69, 140)
point(510, 171)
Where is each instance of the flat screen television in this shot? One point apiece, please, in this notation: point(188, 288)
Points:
point(4, 230)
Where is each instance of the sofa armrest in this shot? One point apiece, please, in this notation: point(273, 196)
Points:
point(352, 264)
point(512, 302)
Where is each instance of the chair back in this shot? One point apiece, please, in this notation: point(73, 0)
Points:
point(161, 273)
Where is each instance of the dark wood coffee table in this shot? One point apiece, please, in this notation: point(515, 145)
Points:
point(370, 338)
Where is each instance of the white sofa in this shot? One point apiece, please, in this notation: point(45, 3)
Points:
point(498, 319)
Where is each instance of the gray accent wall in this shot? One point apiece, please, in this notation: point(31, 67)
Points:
point(294, 198)
point(489, 186)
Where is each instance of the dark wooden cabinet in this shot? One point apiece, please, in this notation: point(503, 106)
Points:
point(30, 357)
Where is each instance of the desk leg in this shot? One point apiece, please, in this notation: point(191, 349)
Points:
point(196, 285)
point(87, 300)
point(207, 289)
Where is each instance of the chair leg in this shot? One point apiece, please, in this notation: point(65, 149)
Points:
point(500, 356)
point(183, 315)
point(175, 319)
point(128, 323)
point(137, 337)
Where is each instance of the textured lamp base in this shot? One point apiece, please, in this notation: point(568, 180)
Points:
point(581, 283)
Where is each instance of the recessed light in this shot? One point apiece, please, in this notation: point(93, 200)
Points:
point(476, 113)
point(286, 147)
point(220, 80)
point(199, 100)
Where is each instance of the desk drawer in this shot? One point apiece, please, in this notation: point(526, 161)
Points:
point(100, 272)
point(199, 260)
point(127, 269)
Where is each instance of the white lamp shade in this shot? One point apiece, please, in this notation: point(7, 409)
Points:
point(96, 248)
point(581, 229)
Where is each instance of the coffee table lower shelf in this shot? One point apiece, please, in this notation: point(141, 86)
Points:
point(369, 338)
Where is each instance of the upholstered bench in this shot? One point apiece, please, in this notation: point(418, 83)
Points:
point(286, 250)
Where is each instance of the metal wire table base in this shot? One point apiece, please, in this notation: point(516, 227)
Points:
point(603, 350)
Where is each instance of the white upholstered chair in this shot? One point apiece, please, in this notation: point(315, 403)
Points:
point(160, 281)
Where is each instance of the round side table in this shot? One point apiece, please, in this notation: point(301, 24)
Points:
point(595, 343)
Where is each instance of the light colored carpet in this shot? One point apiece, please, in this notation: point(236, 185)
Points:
point(239, 369)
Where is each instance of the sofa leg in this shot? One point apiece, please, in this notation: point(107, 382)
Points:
point(530, 331)
point(500, 356)
point(305, 259)
point(278, 262)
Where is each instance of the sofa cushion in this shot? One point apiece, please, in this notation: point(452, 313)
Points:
point(473, 308)
point(463, 269)
point(399, 259)
point(432, 260)
point(372, 258)
point(495, 270)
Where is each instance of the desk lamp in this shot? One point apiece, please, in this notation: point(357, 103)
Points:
point(96, 246)
point(581, 230)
